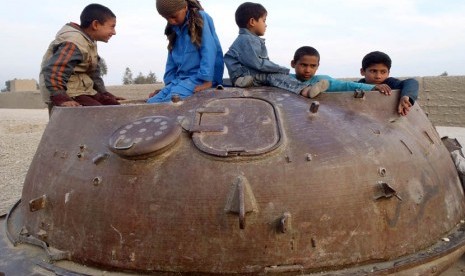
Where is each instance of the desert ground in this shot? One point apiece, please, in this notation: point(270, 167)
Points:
point(20, 134)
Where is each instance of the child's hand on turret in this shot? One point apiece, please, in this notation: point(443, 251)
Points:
point(154, 93)
point(203, 86)
point(404, 106)
point(383, 88)
point(70, 104)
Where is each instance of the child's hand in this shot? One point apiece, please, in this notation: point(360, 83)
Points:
point(383, 88)
point(404, 106)
point(203, 86)
point(154, 93)
point(111, 96)
point(70, 104)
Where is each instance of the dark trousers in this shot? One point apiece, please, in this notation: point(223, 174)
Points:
point(97, 99)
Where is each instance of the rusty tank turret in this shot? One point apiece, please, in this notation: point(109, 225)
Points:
point(239, 181)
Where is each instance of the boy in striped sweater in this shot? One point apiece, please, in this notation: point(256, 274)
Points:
point(70, 73)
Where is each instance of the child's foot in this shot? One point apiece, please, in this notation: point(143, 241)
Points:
point(318, 88)
point(312, 91)
point(244, 82)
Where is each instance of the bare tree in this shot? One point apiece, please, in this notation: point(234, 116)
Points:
point(103, 67)
point(127, 78)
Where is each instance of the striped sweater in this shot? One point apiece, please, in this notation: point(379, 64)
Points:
point(70, 66)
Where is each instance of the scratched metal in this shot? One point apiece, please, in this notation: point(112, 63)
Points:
point(294, 189)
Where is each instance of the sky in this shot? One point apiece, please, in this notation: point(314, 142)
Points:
point(422, 37)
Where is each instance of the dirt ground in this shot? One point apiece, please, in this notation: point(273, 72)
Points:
point(20, 134)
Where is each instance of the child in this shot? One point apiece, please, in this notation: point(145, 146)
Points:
point(247, 59)
point(195, 57)
point(306, 62)
point(70, 74)
point(375, 68)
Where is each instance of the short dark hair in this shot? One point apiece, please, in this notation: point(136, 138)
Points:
point(95, 12)
point(249, 10)
point(376, 57)
point(306, 51)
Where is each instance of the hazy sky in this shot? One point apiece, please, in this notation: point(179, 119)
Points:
point(423, 37)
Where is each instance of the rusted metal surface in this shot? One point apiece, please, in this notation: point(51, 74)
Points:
point(248, 181)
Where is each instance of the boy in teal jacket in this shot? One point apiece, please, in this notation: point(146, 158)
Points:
point(306, 62)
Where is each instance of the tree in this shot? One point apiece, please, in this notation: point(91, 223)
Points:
point(444, 74)
point(127, 78)
point(7, 86)
point(149, 79)
point(103, 67)
point(140, 79)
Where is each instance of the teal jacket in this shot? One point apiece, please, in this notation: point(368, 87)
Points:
point(338, 85)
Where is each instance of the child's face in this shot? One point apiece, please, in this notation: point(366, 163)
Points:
point(375, 74)
point(305, 67)
point(103, 32)
point(177, 18)
point(258, 27)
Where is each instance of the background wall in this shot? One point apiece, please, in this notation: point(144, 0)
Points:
point(443, 99)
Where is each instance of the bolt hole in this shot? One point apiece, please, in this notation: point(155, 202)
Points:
point(97, 180)
point(382, 172)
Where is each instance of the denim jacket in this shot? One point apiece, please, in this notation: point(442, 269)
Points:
point(248, 56)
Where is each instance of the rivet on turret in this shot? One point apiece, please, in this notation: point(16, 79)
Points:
point(288, 159)
point(284, 223)
point(309, 157)
point(97, 180)
point(175, 98)
point(37, 204)
point(313, 242)
point(314, 107)
point(359, 94)
point(382, 172)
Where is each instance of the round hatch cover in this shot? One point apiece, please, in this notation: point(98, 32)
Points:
point(145, 136)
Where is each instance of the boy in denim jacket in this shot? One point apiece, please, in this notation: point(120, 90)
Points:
point(247, 59)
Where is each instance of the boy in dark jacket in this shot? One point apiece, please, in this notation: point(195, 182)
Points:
point(375, 69)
